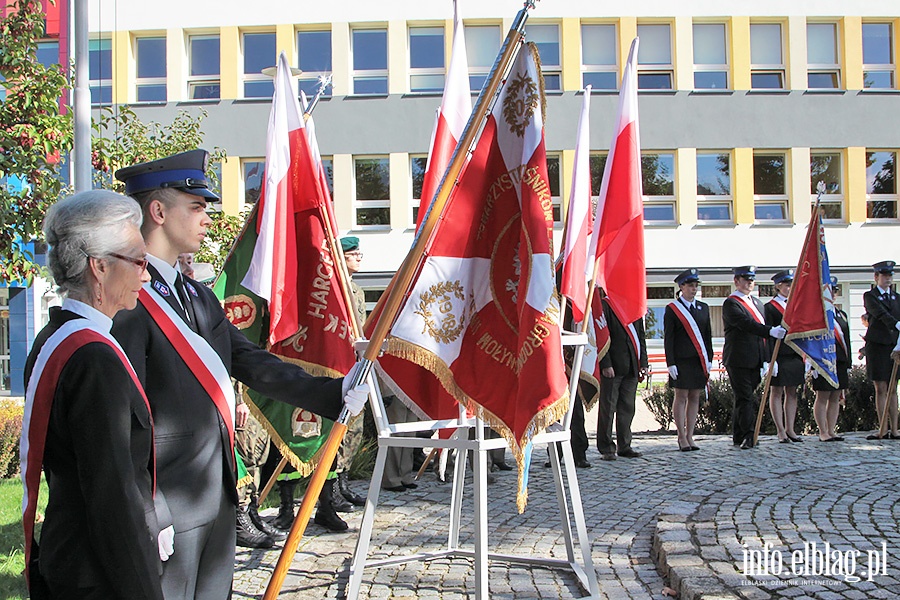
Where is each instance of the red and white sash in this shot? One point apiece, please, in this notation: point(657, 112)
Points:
point(200, 358)
point(777, 304)
point(747, 303)
point(693, 333)
point(51, 360)
point(633, 336)
point(839, 336)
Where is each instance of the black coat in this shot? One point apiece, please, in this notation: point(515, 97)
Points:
point(745, 337)
point(621, 355)
point(677, 341)
point(883, 316)
point(843, 358)
point(194, 461)
point(773, 319)
point(100, 527)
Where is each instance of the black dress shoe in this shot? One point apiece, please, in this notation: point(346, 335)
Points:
point(875, 436)
point(695, 448)
point(794, 438)
point(396, 488)
point(503, 466)
point(838, 438)
point(629, 453)
point(833, 439)
point(747, 443)
point(784, 441)
point(582, 463)
point(684, 448)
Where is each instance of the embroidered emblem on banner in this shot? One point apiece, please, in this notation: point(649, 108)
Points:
point(521, 99)
point(162, 288)
point(240, 310)
point(306, 424)
point(445, 327)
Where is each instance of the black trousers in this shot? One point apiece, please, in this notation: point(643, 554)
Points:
point(744, 382)
point(579, 439)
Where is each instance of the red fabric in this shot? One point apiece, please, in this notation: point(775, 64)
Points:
point(572, 284)
point(805, 310)
point(438, 159)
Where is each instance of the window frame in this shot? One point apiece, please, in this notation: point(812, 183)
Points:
point(712, 67)
point(782, 199)
point(768, 68)
point(481, 71)
point(245, 77)
point(829, 199)
point(557, 207)
point(825, 68)
point(893, 198)
point(307, 77)
point(365, 203)
point(245, 161)
point(550, 72)
point(656, 69)
point(714, 199)
point(103, 82)
point(426, 71)
point(146, 82)
point(415, 203)
point(890, 68)
point(370, 73)
point(663, 199)
point(194, 81)
point(593, 69)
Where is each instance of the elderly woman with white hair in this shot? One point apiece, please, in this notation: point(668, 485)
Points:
point(87, 421)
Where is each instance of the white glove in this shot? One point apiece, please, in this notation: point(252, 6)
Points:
point(349, 377)
point(764, 370)
point(778, 332)
point(673, 372)
point(897, 347)
point(709, 367)
point(354, 399)
point(897, 325)
point(775, 369)
point(165, 542)
point(815, 373)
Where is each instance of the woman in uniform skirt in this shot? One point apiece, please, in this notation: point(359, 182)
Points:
point(789, 372)
point(688, 343)
point(882, 305)
point(828, 397)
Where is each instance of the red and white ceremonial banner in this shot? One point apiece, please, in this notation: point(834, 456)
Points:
point(483, 314)
point(616, 251)
point(596, 349)
point(456, 106)
point(579, 221)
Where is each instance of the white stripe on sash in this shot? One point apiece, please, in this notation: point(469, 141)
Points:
point(750, 306)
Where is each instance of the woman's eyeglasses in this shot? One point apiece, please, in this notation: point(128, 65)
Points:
point(138, 262)
point(357, 255)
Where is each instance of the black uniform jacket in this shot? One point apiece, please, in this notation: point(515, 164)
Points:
point(676, 339)
point(883, 316)
point(621, 356)
point(745, 337)
point(194, 460)
point(843, 358)
point(100, 527)
point(773, 319)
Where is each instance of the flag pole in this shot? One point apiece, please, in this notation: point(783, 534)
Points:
point(398, 291)
point(891, 393)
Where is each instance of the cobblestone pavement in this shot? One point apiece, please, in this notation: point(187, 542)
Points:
point(688, 521)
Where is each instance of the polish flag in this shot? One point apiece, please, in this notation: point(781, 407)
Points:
point(616, 251)
point(456, 106)
point(579, 223)
point(291, 183)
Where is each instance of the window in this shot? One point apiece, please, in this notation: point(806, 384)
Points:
point(878, 55)
point(766, 57)
point(599, 57)
point(48, 53)
point(328, 166)
point(655, 71)
point(546, 37)
point(597, 164)
point(203, 82)
point(710, 57)
point(417, 166)
point(259, 53)
point(314, 49)
point(100, 70)
point(150, 54)
point(254, 172)
point(770, 187)
point(370, 60)
point(881, 184)
point(714, 199)
point(822, 56)
point(426, 59)
point(553, 177)
point(826, 167)
point(482, 47)
point(373, 191)
point(658, 179)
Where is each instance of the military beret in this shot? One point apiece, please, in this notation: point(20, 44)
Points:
point(185, 172)
point(349, 243)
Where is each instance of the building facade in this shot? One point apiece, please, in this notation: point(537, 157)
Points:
point(743, 109)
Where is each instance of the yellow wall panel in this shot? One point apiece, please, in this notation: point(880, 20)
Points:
point(855, 189)
point(285, 41)
point(401, 215)
point(684, 53)
point(851, 53)
point(343, 190)
point(398, 58)
point(570, 30)
point(231, 185)
point(230, 54)
point(798, 176)
point(122, 67)
point(176, 69)
point(743, 186)
point(567, 166)
point(627, 33)
point(795, 53)
point(740, 53)
point(340, 59)
point(686, 190)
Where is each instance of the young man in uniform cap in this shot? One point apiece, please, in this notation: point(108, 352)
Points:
point(883, 308)
point(185, 352)
point(746, 353)
point(790, 368)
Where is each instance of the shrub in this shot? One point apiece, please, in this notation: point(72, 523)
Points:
point(659, 401)
point(10, 434)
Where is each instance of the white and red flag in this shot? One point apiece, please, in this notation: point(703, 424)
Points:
point(456, 106)
point(579, 224)
point(483, 314)
point(616, 251)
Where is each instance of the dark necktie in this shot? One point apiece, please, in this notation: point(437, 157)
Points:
point(693, 310)
point(185, 302)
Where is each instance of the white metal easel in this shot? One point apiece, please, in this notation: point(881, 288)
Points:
point(558, 435)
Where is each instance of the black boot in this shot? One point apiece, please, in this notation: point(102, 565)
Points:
point(248, 536)
point(338, 501)
point(326, 515)
point(276, 534)
point(285, 517)
point(346, 492)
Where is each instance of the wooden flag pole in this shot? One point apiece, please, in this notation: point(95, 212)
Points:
point(398, 291)
point(892, 389)
point(766, 391)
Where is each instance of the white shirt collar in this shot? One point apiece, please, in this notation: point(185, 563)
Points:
point(740, 294)
point(166, 271)
point(88, 312)
point(689, 304)
point(781, 300)
point(882, 292)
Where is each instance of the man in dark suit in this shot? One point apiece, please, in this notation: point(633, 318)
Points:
point(883, 308)
point(746, 352)
point(192, 413)
point(624, 365)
